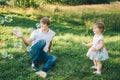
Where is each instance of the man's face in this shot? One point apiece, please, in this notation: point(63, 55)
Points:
point(44, 26)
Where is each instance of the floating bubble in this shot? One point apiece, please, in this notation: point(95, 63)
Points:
point(31, 29)
point(18, 45)
point(17, 31)
point(38, 25)
point(81, 13)
point(3, 44)
point(8, 18)
point(29, 48)
point(4, 54)
point(10, 56)
point(1, 20)
point(84, 44)
point(24, 55)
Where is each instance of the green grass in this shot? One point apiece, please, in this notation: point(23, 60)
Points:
point(72, 63)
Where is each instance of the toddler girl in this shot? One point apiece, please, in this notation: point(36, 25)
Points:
point(97, 51)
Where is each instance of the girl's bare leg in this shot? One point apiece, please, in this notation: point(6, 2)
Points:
point(99, 66)
point(95, 63)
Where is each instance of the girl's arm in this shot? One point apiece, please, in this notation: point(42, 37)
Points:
point(89, 44)
point(101, 45)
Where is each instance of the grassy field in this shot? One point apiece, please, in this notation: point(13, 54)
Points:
point(72, 25)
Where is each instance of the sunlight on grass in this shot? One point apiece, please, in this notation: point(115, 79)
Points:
point(70, 24)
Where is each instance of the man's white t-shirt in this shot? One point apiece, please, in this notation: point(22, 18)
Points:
point(37, 35)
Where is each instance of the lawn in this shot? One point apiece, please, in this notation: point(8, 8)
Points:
point(72, 25)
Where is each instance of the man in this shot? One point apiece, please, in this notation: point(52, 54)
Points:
point(41, 40)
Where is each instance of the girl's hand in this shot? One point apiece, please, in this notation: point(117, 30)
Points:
point(89, 44)
point(94, 49)
point(101, 45)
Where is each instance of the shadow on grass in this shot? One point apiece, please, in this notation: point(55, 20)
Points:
point(113, 45)
point(21, 22)
point(112, 65)
point(60, 28)
point(72, 64)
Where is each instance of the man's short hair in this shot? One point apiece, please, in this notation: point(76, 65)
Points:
point(45, 20)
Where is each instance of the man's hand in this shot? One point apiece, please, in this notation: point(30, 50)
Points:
point(17, 33)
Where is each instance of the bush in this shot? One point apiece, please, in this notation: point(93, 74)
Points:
point(78, 2)
point(23, 3)
point(36, 3)
point(3, 2)
point(111, 20)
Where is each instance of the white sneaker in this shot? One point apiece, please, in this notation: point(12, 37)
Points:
point(93, 67)
point(34, 68)
point(42, 74)
point(97, 73)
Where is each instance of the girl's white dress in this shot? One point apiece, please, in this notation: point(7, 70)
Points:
point(99, 55)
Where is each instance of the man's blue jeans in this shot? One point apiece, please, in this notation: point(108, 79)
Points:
point(39, 56)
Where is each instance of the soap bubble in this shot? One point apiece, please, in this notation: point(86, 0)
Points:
point(29, 48)
point(18, 45)
point(8, 18)
point(31, 29)
point(38, 25)
point(84, 44)
point(3, 44)
point(1, 20)
point(4, 54)
point(17, 31)
point(10, 56)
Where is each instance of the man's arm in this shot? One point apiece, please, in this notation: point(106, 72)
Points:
point(49, 48)
point(26, 41)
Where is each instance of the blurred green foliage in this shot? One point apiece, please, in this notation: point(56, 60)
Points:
point(36, 3)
